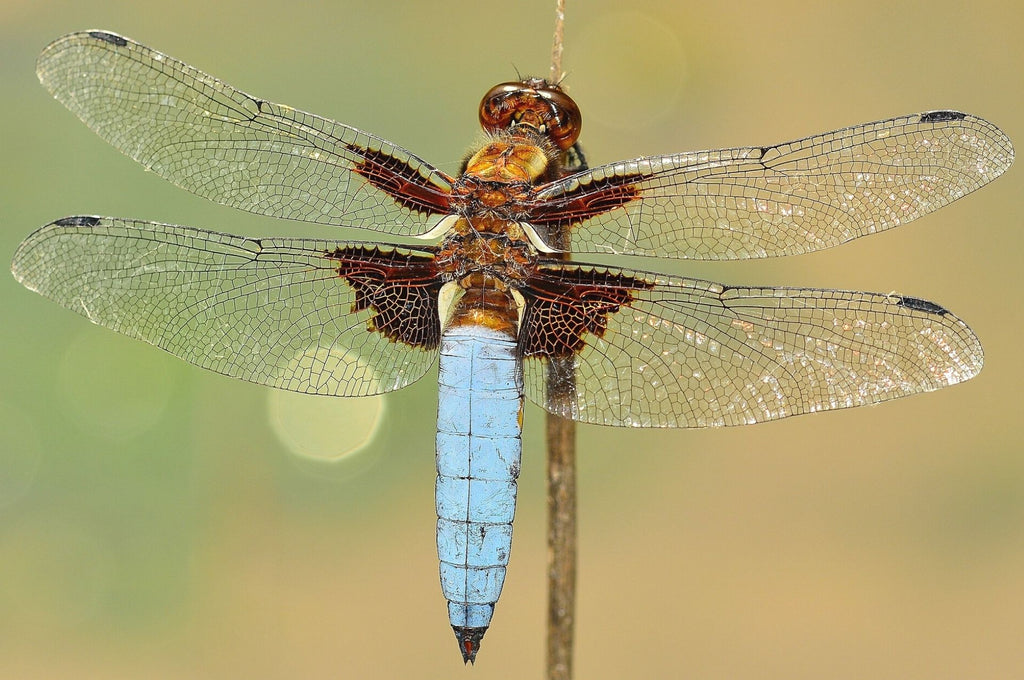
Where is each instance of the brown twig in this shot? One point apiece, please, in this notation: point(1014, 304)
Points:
point(561, 444)
point(556, 47)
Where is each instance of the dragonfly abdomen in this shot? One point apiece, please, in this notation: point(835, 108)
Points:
point(479, 421)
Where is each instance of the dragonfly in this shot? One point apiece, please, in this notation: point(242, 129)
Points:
point(486, 289)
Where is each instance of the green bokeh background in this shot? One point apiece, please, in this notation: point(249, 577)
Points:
point(154, 525)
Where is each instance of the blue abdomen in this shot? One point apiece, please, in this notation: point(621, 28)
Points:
point(479, 421)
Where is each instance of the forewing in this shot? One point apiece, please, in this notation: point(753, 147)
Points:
point(225, 145)
point(785, 199)
point(657, 351)
point(319, 317)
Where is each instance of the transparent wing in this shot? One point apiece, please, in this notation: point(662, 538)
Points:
point(271, 311)
point(786, 199)
point(674, 352)
point(220, 143)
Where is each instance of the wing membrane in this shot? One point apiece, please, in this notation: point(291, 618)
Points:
point(225, 145)
point(271, 311)
point(691, 353)
point(786, 199)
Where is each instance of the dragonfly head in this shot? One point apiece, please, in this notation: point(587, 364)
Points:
point(536, 103)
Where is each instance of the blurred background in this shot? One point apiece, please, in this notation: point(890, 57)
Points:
point(158, 521)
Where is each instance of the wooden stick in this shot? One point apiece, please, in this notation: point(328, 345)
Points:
point(556, 47)
point(561, 444)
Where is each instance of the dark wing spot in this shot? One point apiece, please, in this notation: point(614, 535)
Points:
point(78, 221)
point(400, 288)
point(109, 37)
point(942, 116)
point(919, 305)
point(563, 305)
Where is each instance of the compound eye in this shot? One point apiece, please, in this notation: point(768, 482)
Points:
point(498, 106)
point(566, 123)
point(534, 103)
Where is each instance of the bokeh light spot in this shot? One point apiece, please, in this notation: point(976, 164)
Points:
point(323, 428)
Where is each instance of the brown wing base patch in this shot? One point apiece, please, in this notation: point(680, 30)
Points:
point(402, 182)
point(583, 202)
point(564, 304)
point(400, 288)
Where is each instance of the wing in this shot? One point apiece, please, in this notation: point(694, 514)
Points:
point(222, 144)
point(320, 317)
point(646, 350)
point(768, 201)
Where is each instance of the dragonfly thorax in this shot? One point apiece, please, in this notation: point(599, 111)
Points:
point(514, 160)
point(496, 248)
